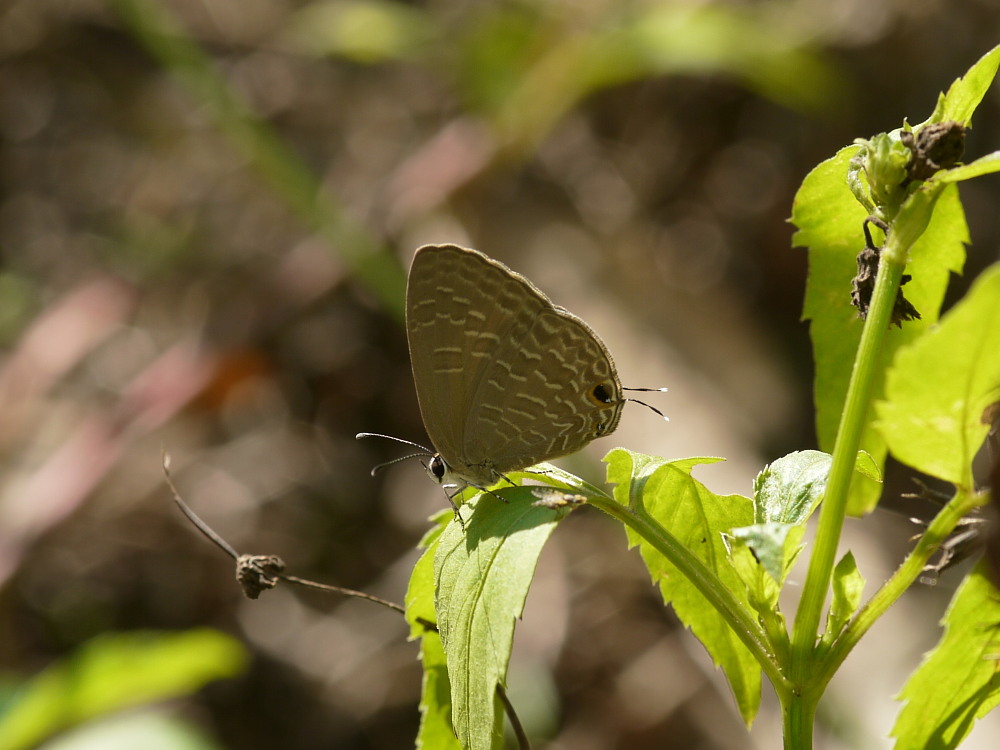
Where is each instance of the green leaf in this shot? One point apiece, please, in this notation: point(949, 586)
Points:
point(435, 698)
point(866, 466)
point(697, 518)
point(939, 386)
point(983, 165)
point(435, 732)
point(957, 682)
point(848, 586)
point(763, 589)
point(113, 672)
point(789, 489)
point(482, 575)
point(967, 92)
point(829, 224)
point(774, 546)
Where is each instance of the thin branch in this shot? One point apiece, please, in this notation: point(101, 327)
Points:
point(203, 527)
point(257, 573)
point(515, 722)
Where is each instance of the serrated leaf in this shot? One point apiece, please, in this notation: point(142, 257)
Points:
point(848, 586)
point(983, 165)
point(419, 598)
point(940, 384)
point(965, 94)
point(959, 680)
point(829, 225)
point(116, 671)
point(789, 489)
point(697, 518)
point(482, 575)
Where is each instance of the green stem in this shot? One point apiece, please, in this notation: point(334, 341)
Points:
point(798, 714)
point(930, 541)
point(867, 366)
point(745, 626)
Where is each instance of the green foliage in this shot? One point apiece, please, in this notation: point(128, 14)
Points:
point(721, 561)
point(939, 386)
point(481, 576)
point(694, 517)
point(435, 703)
point(829, 223)
point(784, 496)
point(848, 585)
point(957, 682)
point(114, 672)
point(789, 490)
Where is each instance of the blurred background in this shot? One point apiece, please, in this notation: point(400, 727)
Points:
point(207, 209)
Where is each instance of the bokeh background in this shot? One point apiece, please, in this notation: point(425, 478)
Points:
point(206, 212)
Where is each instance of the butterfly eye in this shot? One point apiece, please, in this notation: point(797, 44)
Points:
point(601, 395)
point(437, 468)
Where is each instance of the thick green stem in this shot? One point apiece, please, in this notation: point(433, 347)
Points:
point(867, 365)
point(798, 714)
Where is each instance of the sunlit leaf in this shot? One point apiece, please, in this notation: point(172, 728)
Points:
point(697, 518)
point(772, 546)
point(788, 490)
point(435, 698)
point(829, 225)
point(966, 93)
point(940, 384)
point(983, 165)
point(848, 586)
point(482, 575)
point(763, 588)
point(959, 680)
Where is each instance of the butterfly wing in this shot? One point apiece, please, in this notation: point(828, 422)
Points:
point(547, 392)
point(453, 329)
point(504, 378)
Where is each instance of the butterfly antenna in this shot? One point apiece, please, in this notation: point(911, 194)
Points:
point(377, 469)
point(648, 406)
point(425, 449)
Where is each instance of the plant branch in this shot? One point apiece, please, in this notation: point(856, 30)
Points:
point(930, 541)
point(854, 418)
point(747, 628)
